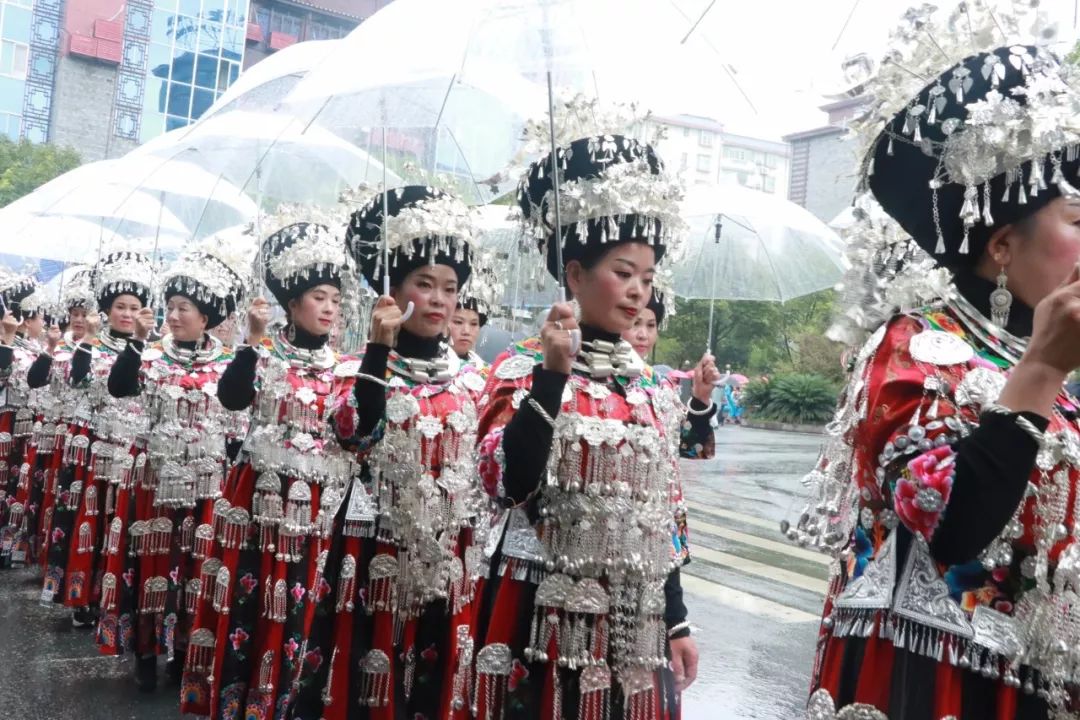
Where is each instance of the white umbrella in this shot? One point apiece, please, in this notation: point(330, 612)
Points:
point(744, 244)
point(68, 239)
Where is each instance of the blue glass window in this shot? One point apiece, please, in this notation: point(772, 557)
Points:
point(17, 23)
point(201, 102)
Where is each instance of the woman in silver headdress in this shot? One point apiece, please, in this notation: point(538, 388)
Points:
point(948, 486)
point(98, 434)
point(161, 530)
point(54, 397)
point(583, 610)
point(395, 631)
point(260, 579)
point(16, 417)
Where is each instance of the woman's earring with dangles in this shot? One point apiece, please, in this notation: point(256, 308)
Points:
point(576, 307)
point(1001, 300)
point(290, 333)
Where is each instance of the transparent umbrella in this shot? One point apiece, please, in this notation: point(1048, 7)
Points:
point(744, 244)
point(70, 239)
point(135, 189)
point(269, 156)
point(477, 69)
point(261, 87)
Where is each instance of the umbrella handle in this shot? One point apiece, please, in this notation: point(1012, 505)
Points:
point(575, 334)
point(386, 291)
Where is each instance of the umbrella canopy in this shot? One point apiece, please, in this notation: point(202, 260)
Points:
point(270, 155)
point(768, 248)
point(261, 87)
point(137, 189)
point(30, 239)
point(478, 69)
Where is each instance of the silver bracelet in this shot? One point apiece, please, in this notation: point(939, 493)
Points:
point(370, 378)
point(679, 627)
point(706, 411)
point(541, 411)
point(1025, 424)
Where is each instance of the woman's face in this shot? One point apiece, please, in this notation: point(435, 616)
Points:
point(614, 292)
point(464, 330)
point(433, 291)
point(1039, 257)
point(122, 313)
point(643, 334)
point(77, 321)
point(34, 325)
point(185, 321)
point(316, 311)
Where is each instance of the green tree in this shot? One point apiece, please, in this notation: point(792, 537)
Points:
point(25, 166)
point(756, 337)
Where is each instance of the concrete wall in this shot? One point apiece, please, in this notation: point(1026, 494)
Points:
point(831, 171)
point(82, 109)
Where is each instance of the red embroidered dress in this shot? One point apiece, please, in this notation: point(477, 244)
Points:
point(394, 635)
point(906, 635)
point(19, 501)
point(161, 530)
point(260, 580)
point(99, 432)
point(574, 613)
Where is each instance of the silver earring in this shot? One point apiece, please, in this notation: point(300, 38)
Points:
point(1001, 301)
point(576, 307)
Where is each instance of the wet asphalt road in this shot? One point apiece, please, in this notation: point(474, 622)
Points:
point(753, 599)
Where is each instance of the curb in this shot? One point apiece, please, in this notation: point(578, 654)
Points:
point(785, 427)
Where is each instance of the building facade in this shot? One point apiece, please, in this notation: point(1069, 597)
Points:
point(104, 76)
point(824, 163)
point(704, 153)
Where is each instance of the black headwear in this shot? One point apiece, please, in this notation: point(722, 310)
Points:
point(364, 239)
point(299, 257)
point(585, 239)
point(656, 304)
point(207, 281)
point(903, 172)
point(123, 272)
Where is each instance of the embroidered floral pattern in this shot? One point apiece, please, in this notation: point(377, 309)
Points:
point(922, 492)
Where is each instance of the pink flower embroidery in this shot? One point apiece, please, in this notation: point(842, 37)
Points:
point(174, 575)
point(57, 536)
point(238, 637)
point(429, 654)
point(489, 466)
point(129, 577)
point(922, 492)
point(249, 583)
point(298, 591)
point(291, 646)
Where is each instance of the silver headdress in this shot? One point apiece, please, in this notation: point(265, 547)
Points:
point(77, 288)
point(611, 186)
point(123, 271)
point(972, 111)
point(216, 273)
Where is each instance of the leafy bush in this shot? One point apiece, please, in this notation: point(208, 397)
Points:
point(798, 398)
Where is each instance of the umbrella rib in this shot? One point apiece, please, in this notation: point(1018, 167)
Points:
point(461, 154)
point(772, 265)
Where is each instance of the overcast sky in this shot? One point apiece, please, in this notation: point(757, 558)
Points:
point(782, 53)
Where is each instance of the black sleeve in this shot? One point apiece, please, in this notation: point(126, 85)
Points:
point(371, 397)
point(993, 466)
point(527, 437)
point(236, 389)
point(700, 426)
point(7, 354)
point(674, 607)
point(38, 374)
point(124, 376)
point(80, 363)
